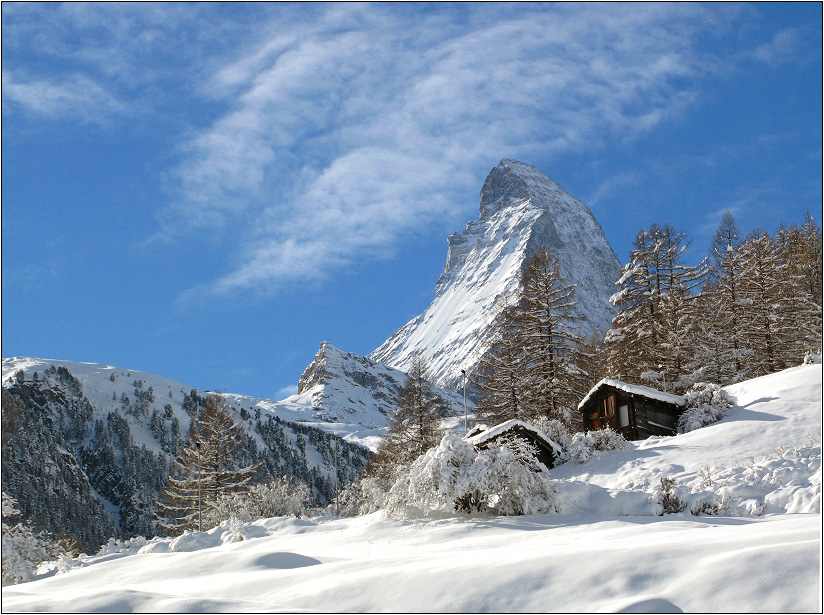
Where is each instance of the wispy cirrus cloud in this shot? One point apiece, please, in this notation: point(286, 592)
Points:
point(314, 136)
point(75, 98)
point(352, 130)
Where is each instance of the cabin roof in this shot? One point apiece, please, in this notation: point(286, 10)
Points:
point(635, 389)
point(497, 430)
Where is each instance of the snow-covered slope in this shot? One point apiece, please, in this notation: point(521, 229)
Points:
point(520, 209)
point(763, 457)
point(345, 388)
point(334, 407)
point(593, 557)
point(532, 564)
point(119, 429)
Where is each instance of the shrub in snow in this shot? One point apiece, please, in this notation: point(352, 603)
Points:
point(555, 430)
point(812, 358)
point(706, 504)
point(22, 549)
point(670, 497)
point(128, 546)
point(584, 446)
point(278, 498)
point(706, 404)
point(365, 496)
point(505, 479)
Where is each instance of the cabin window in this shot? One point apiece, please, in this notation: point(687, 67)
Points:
point(623, 415)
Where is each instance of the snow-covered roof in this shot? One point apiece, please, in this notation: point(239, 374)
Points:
point(635, 389)
point(497, 430)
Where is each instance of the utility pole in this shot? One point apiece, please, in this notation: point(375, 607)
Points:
point(463, 371)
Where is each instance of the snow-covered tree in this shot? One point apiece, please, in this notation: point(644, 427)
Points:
point(505, 479)
point(501, 372)
point(415, 426)
point(546, 322)
point(650, 337)
point(766, 291)
point(278, 497)
point(22, 549)
point(718, 355)
point(530, 370)
point(724, 318)
point(801, 252)
point(206, 468)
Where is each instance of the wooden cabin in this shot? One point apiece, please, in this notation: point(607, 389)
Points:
point(636, 412)
point(482, 437)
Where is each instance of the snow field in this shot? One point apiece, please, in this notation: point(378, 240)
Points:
point(537, 563)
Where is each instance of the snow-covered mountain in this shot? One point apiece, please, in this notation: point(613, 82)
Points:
point(343, 387)
point(606, 550)
point(520, 209)
point(98, 440)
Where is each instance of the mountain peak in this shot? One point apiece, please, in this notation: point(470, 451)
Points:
point(512, 182)
point(521, 209)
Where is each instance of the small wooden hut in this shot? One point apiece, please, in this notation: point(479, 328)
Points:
point(634, 411)
point(482, 437)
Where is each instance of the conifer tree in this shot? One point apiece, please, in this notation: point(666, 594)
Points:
point(728, 318)
point(206, 468)
point(501, 375)
point(801, 253)
point(766, 291)
point(649, 339)
point(714, 357)
point(415, 426)
point(530, 371)
point(546, 324)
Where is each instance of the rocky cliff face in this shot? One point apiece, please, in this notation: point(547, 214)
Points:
point(345, 388)
point(520, 209)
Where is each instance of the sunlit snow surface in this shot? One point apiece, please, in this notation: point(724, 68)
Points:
point(590, 557)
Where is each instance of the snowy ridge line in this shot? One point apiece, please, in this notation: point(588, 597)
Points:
point(363, 429)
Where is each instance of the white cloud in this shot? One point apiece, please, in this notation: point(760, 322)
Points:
point(286, 391)
point(349, 132)
point(332, 132)
point(782, 48)
point(76, 97)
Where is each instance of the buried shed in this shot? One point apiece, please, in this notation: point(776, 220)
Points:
point(482, 437)
point(636, 412)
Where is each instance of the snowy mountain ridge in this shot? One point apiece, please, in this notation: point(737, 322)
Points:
point(520, 209)
point(347, 388)
point(119, 429)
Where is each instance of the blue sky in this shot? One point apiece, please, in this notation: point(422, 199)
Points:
point(208, 191)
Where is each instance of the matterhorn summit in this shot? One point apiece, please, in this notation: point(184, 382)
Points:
point(520, 210)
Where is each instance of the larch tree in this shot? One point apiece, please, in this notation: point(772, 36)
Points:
point(546, 321)
point(415, 426)
point(801, 252)
point(501, 371)
point(766, 292)
point(650, 336)
point(206, 468)
point(728, 317)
